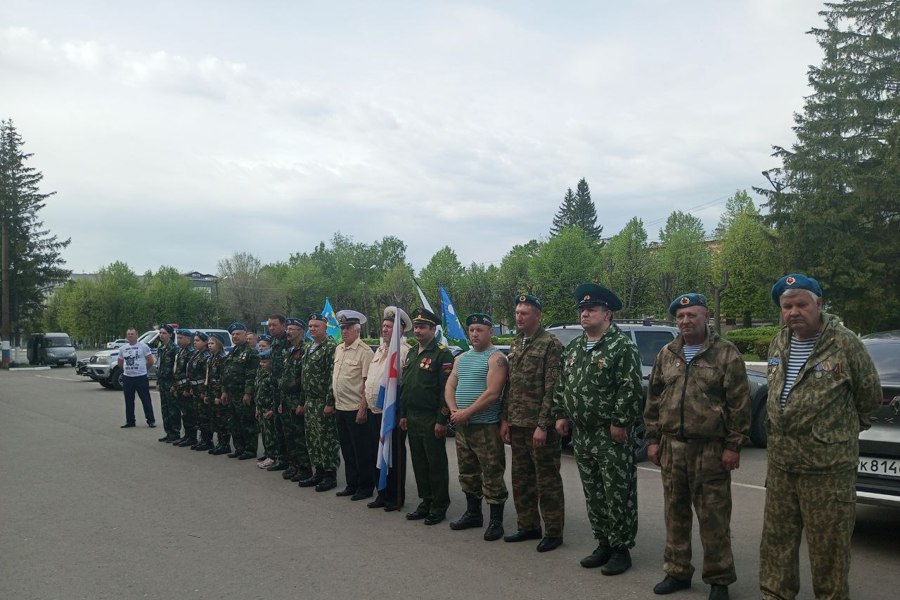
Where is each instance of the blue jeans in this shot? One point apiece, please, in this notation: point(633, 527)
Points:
point(141, 385)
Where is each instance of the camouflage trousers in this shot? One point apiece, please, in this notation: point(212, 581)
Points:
point(825, 504)
point(693, 475)
point(481, 460)
point(169, 407)
point(429, 462)
point(266, 428)
point(536, 481)
point(220, 422)
point(293, 427)
point(609, 480)
point(244, 432)
point(321, 436)
point(204, 418)
point(188, 408)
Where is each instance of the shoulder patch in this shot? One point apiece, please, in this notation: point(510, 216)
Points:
point(774, 361)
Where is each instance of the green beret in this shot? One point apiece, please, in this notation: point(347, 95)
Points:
point(591, 294)
point(529, 299)
point(479, 319)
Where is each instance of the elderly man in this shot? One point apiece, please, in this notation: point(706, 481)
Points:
point(348, 385)
point(135, 358)
point(823, 389)
point(317, 403)
point(423, 413)
point(527, 426)
point(697, 417)
point(473, 398)
point(290, 386)
point(392, 497)
point(599, 392)
point(165, 379)
point(238, 380)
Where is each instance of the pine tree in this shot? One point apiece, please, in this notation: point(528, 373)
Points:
point(565, 216)
point(30, 259)
point(577, 210)
point(836, 200)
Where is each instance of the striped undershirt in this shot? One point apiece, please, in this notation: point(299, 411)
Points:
point(471, 373)
point(589, 344)
point(799, 354)
point(691, 351)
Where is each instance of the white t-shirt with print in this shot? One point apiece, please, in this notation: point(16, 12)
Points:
point(134, 359)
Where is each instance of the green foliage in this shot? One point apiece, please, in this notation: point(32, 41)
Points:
point(564, 262)
point(835, 202)
point(513, 279)
point(746, 339)
point(682, 262)
point(625, 263)
point(444, 269)
point(577, 210)
point(246, 292)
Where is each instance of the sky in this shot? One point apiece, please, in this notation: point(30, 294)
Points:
point(178, 133)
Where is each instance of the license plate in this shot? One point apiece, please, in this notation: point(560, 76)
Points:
point(879, 466)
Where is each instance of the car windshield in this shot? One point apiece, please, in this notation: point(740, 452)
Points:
point(649, 344)
point(886, 357)
point(62, 341)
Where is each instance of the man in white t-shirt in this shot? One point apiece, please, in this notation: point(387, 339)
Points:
point(134, 360)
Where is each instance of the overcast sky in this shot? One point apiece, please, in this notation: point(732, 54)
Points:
point(179, 132)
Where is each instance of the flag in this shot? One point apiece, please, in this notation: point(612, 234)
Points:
point(439, 334)
point(451, 321)
point(387, 403)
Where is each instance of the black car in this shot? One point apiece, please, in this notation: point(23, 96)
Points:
point(878, 473)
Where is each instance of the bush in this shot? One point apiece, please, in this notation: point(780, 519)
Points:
point(746, 339)
point(762, 347)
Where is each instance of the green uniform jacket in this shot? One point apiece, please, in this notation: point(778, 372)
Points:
point(533, 371)
point(182, 358)
point(318, 366)
point(165, 364)
point(601, 386)
point(708, 399)
point(263, 390)
point(280, 349)
point(832, 400)
point(422, 393)
point(239, 369)
point(214, 376)
point(196, 372)
point(291, 377)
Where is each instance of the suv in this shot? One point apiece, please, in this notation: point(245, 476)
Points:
point(649, 340)
point(104, 369)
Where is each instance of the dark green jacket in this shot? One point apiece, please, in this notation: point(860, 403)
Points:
point(422, 393)
point(182, 358)
point(291, 377)
point(263, 390)
point(533, 371)
point(165, 363)
point(239, 369)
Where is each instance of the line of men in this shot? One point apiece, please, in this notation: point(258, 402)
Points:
point(312, 400)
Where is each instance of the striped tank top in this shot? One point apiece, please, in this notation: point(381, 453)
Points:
point(471, 371)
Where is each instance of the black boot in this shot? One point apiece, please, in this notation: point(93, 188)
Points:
point(599, 557)
point(619, 561)
point(311, 481)
point(329, 481)
point(494, 529)
point(472, 517)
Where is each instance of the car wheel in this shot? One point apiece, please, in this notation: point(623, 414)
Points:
point(116, 378)
point(104, 383)
point(758, 434)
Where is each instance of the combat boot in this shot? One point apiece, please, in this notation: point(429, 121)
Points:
point(312, 480)
point(473, 516)
point(290, 472)
point(718, 592)
point(619, 561)
point(494, 529)
point(220, 449)
point(599, 557)
point(205, 444)
point(329, 482)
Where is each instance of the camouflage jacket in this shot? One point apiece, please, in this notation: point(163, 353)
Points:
point(290, 379)
point(832, 400)
point(318, 367)
point(708, 399)
point(280, 350)
point(196, 373)
point(214, 370)
point(423, 378)
point(601, 386)
point(182, 358)
point(533, 371)
point(264, 390)
point(165, 363)
point(239, 370)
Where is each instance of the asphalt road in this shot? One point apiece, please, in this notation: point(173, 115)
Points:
point(89, 510)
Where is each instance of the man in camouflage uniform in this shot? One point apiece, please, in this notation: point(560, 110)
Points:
point(527, 426)
point(697, 417)
point(263, 395)
point(238, 378)
point(599, 393)
point(823, 389)
point(280, 346)
point(291, 404)
point(165, 379)
point(181, 387)
point(423, 414)
point(473, 396)
point(317, 403)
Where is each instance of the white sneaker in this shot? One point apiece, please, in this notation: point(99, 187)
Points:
point(265, 463)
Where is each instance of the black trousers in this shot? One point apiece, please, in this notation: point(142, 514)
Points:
point(141, 385)
point(359, 449)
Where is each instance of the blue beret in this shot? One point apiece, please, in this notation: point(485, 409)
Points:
point(265, 338)
point(201, 335)
point(794, 281)
point(184, 331)
point(479, 319)
point(295, 321)
point(529, 299)
point(235, 326)
point(167, 327)
point(591, 294)
point(267, 353)
point(685, 300)
point(317, 317)
point(221, 336)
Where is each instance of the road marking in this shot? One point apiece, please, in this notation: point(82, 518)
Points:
point(744, 485)
point(56, 378)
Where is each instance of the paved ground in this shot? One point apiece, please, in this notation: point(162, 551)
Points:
point(88, 510)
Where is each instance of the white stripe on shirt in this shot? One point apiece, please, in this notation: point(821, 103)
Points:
point(799, 354)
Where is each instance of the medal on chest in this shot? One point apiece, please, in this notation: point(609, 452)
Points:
point(425, 363)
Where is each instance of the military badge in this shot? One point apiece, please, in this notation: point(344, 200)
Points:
point(791, 280)
point(425, 363)
point(601, 363)
point(685, 300)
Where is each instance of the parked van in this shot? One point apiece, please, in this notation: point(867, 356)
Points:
point(53, 349)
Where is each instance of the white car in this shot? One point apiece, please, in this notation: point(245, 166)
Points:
point(116, 344)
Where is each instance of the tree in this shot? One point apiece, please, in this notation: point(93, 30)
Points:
point(682, 261)
point(835, 199)
point(577, 210)
point(443, 268)
point(245, 290)
point(30, 257)
point(512, 279)
point(625, 264)
point(171, 299)
point(735, 206)
point(564, 262)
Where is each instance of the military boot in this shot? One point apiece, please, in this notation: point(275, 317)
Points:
point(473, 516)
point(619, 561)
point(312, 481)
point(494, 529)
point(189, 439)
point(599, 557)
point(290, 472)
point(329, 481)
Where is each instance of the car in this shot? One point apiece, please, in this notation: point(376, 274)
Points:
point(878, 471)
point(116, 343)
point(52, 349)
point(649, 340)
point(104, 369)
